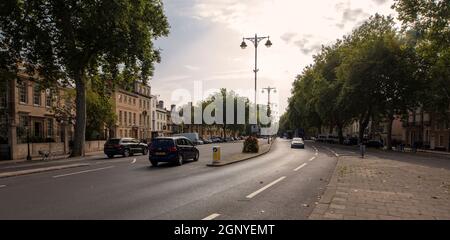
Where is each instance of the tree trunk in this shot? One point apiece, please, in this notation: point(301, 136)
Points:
point(389, 132)
point(80, 124)
point(363, 122)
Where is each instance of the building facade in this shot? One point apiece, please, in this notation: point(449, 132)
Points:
point(133, 110)
point(28, 116)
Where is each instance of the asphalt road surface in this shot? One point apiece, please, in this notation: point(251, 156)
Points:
point(282, 184)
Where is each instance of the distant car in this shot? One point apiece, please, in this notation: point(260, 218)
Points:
point(297, 143)
point(313, 138)
point(374, 144)
point(193, 137)
point(124, 146)
point(207, 141)
point(351, 141)
point(172, 149)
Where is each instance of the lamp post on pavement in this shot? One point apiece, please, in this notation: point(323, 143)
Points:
point(255, 40)
point(269, 89)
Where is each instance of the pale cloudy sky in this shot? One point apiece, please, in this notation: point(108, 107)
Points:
point(205, 36)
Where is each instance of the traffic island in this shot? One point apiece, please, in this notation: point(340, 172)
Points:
point(238, 157)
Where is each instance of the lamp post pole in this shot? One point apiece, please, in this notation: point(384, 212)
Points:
point(269, 89)
point(255, 40)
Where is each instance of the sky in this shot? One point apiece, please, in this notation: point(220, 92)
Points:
point(205, 35)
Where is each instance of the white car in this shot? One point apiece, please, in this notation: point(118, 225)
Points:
point(297, 143)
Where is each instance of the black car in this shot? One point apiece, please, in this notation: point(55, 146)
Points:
point(172, 149)
point(124, 147)
point(351, 141)
point(374, 144)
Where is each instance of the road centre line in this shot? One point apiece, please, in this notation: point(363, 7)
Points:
point(312, 159)
point(134, 161)
point(298, 168)
point(211, 217)
point(86, 171)
point(251, 195)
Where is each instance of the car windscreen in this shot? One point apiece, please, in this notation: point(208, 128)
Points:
point(162, 143)
point(113, 141)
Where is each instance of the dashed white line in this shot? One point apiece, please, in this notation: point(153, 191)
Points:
point(134, 161)
point(211, 217)
point(86, 171)
point(251, 195)
point(312, 159)
point(298, 168)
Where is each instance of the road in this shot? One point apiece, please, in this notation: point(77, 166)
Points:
point(282, 184)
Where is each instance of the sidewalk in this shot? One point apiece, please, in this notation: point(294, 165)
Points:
point(9, 165)
point(375, 188)
point(264, 148)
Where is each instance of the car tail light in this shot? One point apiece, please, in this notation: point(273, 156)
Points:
point(172, 149)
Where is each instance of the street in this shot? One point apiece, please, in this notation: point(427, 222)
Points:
point(282, 184)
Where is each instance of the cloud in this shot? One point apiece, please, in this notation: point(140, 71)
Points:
point(192, 68)
point(287, 37)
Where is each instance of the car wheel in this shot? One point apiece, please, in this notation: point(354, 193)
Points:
point(179, 161)
point(154, 163)
point(197, 154)
point(126, 153)
point(110, 156)
point(144, 151)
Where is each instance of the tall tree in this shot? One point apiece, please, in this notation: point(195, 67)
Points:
point(75, 40)
point(430, 21)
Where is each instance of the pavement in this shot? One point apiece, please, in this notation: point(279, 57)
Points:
point(386, 185)
point(284, 183)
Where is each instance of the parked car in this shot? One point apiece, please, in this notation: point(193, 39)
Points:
point(374, 144)
point(172, 149)
point(207, 140)
point(193, 137)
point(124, 147)
point(297, 143)
point(351, 141)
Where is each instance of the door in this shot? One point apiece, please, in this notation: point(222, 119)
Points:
point(190, 148)
point(136, 146)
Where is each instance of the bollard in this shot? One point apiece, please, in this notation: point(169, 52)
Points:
point(216, 154)
point(362, 149)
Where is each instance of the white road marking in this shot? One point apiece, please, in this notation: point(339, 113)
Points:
point(86, 171)
point(316, 153)
point(315, 148)
point(134, 161)
point(312, 159)
point(211, 217)
point(1, 186)
point(298, 168)
point(251, 195)
point(331, 150)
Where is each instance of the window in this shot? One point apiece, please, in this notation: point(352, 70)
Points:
point(120, 118)
point(140, 119)
point(129, 118)
point(48, 98)
point(134, 101)
point(36, 95)
point(121, 133)
point(140, 103)
point(50, 128)
point(125, 98)
point(125, 118)
point(23, 92)
point(120, 97)
point(134, 118)
point(37, 129)
point(129, 100)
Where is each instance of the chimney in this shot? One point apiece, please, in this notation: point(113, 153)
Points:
point(161, 104)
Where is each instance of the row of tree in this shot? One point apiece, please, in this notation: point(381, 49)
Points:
point(240, 122)
point(377, 72)
point(73, 42)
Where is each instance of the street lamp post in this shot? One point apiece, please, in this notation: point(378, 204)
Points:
point(269, 89)
point(255, 40)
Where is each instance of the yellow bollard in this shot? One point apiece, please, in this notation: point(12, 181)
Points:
point(216, 154)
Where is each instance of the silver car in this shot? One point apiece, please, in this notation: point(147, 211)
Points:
point(297, 143)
